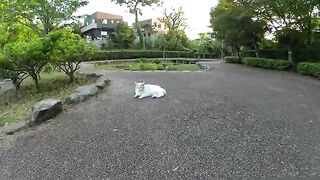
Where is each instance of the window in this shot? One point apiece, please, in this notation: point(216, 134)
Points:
point(104, 21)
point(104, 33)
point(93, 21)
point(112, 21)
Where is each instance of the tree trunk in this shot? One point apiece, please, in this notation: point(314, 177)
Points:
point(16, 84)
point(141, 38)
point(36, 81)
point(71, 77)
point(309, 31)
point(238, 50)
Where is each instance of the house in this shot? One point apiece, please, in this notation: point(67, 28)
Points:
point(99, 25)
point(152, 27)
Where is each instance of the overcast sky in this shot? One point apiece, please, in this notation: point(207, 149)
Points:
point(197, 12)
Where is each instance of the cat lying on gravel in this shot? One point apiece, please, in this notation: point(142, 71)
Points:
point(148, 90)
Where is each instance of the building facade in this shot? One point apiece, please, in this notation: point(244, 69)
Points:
point(99, 25)
point(152, 27)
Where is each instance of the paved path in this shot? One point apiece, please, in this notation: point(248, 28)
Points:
point(232, 122)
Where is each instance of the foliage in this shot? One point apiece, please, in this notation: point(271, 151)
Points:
point(175, 41)
point(134, 54)
point(205, 44)
point(9, 70)
point(299, 55)
point(174, 19)
point(294, 14)
point(39, 15)
point(69, 50)
point(290, 38)
point(29, 57)
point(312, 69)
point(13, 33)
point(148, 66)
point(123, 36)
point(75, 26)
point(235, 25)
point(135, 7)
point(233, 59)
point(276, 64)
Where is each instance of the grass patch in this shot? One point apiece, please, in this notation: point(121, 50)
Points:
point(147, 66)
point(16, 105)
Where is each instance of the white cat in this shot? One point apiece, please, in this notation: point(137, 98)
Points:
point(146, 90)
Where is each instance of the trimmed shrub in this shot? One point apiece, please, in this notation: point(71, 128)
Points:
point(276, 64)
point(135, 54)
point(298, 55)
point(233, 59)
point(267, 53)
point(312, 69)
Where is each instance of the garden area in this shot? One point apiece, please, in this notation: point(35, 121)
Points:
point(146, 65)
point(16, 105)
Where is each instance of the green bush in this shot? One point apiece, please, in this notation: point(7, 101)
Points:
point(312, 69)
point(298, 55)
point(157, 61)
point(276, 64)
point(232, 59)
point(267, 53)
point(68, 51)
point(147, 66)
point(136, 54)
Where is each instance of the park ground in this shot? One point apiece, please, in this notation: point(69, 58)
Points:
point(231, 122)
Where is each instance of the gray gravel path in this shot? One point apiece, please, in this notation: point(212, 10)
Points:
point(233, 122)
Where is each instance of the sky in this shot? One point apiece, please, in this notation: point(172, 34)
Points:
point(197, 12)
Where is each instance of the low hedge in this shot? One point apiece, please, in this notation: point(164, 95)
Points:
point(136, 54)
point(298, 55)
point(312, 69)
point(276, 64)
point(232, 59)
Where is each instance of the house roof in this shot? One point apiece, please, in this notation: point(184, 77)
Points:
point(102, 15)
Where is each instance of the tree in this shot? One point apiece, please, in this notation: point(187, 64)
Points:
point(235, 25)
point(69, 50)
point(13, 33)
point(297, 15)
point(42, 16)
point(123, 36)
point(11, 71)
point(174, 19)
point(135, 7)
point(176, 38)
point(28, 57)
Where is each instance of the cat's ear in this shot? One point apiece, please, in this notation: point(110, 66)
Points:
point(143, 83)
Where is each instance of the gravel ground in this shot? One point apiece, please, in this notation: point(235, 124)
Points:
point(233, 122)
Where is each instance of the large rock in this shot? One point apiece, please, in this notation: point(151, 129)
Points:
point(88, 90)
point(75, 98)
point(101, 83)
point(46, 109)
point(94, 75)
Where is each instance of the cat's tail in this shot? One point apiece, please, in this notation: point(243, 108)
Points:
point(164, 92)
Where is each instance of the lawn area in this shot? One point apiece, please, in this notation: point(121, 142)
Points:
point(146, 66)
point(16, 105)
